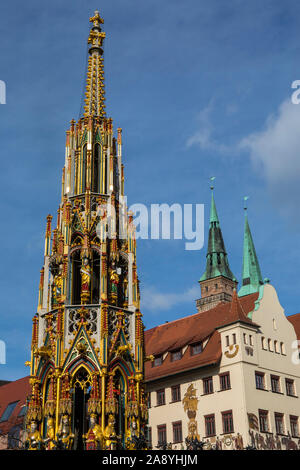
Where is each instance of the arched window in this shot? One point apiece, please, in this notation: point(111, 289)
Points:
point(263, 343)
point(96, 169)
point(75, 278)
point(83, 170)
point(282, 348)
point(81, 393)
point(121, 392)
point(95, 282)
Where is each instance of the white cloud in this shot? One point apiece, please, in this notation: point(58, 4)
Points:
point(275, 150)
point(203, 136)
point(153, 300)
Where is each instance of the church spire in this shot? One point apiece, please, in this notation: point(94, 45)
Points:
point(94, 91)
point(216, 259)
point(251, 277)
point(217, 282)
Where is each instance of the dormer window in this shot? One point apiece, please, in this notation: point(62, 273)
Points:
point(176, 355)
point(157, 361)
point(197, 348)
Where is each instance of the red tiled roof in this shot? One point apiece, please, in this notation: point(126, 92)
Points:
point(192, 329)
point(295, 321)
point(12, 392)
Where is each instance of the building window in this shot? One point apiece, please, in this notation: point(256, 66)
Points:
point(274, 324)
point(245, 338)
point(161, 435)
point(176, 355)
point(157, 361)
point(160, 397)
point(227, 422)
point(279, 423)
point(210, 425)
point(270, 346)
point(275, 384)
point(197, 349)
point(234, 338)
point(177, 432)
point(8, 411)
point(208, 385)
point(224, 381)
point(227, 340)
point(263, 343)
point(263, 420)
point(290, 389)
point(251, 340)
point(282, 348)
point(149, 400)
point(149, 435)
point(294, 426)
point(175, 392)
point(260, 380)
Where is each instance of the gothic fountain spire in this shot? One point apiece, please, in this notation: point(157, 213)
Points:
point(94, 90)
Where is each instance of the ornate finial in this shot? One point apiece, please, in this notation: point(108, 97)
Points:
point(96, 19)
point(245, 203)
point(94, 94)
point(212, 178)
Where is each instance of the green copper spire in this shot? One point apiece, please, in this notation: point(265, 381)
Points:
point(213, 211)
point(251, 278)
point(216, 258)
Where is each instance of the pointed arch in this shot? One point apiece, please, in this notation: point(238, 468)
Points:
point(85, 362)
point(45, 370)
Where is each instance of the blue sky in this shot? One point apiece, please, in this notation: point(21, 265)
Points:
point(200, 88)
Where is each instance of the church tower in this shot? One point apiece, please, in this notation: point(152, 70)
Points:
point(217, 283)
point(251, 276)
point(87, 353)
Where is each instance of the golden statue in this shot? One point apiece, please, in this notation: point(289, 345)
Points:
point(109, 434)
point(50, 438)
point(94, 436)
point(190, 401)
point(65, 437)
point(34, 440)
point(192, 429)
point(85, 275)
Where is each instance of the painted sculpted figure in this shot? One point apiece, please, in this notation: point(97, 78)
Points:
point(34, 440)
point(94, 437)
point(65, 436)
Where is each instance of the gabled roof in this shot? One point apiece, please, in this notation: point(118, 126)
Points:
point(11, 392)
point(192, 329)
